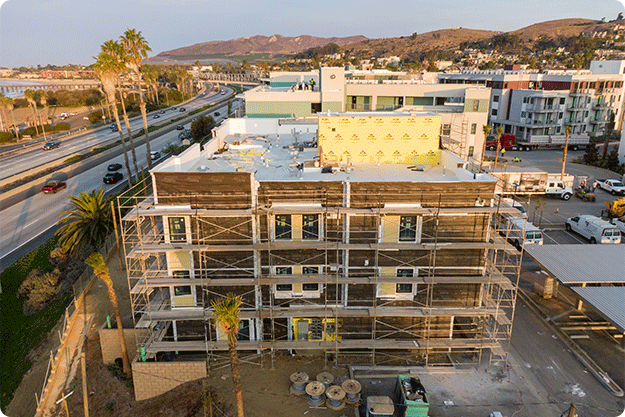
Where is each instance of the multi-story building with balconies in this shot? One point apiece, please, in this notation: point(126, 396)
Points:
point(529, 104)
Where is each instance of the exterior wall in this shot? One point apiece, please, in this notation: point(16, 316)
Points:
point(155, 378)
point(110, 346)
point(278, 108)
point(387, 139)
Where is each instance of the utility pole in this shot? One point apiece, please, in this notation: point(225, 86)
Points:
point(85, 395)
point(572, 411)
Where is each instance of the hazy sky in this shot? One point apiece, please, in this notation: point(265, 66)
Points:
point(70, 31)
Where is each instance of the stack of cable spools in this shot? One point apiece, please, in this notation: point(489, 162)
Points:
point(334, 393)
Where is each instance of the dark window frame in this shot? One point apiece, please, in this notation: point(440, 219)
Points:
point(407, 232)
point(175, 236)
point(283, 227)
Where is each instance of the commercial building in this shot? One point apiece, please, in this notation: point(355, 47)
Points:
point(463, 108)
point(527, 103)
point(364, 242)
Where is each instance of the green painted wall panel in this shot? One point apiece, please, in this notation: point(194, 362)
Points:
point(278, 108)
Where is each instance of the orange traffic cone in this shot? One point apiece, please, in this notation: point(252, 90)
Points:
point(557, 209)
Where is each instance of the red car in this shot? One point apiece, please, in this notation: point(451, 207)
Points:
point(53, 186)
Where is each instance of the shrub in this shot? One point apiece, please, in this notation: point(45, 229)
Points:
point(95, 117)
point(6, 137)
point(61, 127)
point(39, 288)
point(58, 257)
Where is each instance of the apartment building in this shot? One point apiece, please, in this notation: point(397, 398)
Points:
point(358, 239)
point(464, 109)
point(529, 104)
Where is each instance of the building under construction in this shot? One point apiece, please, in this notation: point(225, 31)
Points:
point(357, 239)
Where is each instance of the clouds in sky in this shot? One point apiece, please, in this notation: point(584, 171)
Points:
point(70, 31)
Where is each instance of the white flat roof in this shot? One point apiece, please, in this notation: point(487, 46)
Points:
point(578, 264)
point(273, 158)
point(608, 301)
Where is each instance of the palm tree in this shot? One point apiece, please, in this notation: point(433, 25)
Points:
point(567, 132)
point(87, 223)
point(96, 261)
point(42, 97)
point(107, 70)
point(486, 129)
point(3, 118)
point(9, 104)
point(499, 132)
point(32, 103)
point(137, 49)
point(115, 50)
point(227, 314)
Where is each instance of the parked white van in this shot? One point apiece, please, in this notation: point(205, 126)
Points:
point(594, 229)
point(521, 232)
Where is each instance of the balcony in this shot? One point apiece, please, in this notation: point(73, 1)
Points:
point(598, 122)
point(574, 122)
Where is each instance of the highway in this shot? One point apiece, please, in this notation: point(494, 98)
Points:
point(14, 164)
point(22, 223)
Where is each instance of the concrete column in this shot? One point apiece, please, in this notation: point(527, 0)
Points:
point(580, 303)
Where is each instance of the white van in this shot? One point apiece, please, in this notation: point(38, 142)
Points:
point(521, 232)
point(594, 229)
point(513, 203)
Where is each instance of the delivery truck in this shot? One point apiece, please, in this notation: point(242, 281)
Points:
point(532, 181)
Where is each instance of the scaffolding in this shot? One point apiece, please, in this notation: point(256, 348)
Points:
point(341, 288)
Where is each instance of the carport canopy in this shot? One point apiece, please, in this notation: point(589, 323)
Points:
point(608, 301)
point(581, 264)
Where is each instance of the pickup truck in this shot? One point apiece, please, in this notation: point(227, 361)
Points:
point(612, 186)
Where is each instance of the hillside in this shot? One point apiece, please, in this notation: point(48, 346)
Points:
point(405, 46)
point(274, 45)
point(565, 28)
point(265, 47)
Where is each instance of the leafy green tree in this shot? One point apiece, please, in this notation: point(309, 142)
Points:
point(202, 127)
point(96, 261)
point(592, 154)
point(227, 314)
point(87, 223)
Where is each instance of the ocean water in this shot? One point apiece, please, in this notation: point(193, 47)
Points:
point(15, 94)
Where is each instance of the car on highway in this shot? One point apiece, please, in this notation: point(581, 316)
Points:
point(51, 145)
point(113, 177)
point(85, 117)
point(223, 93)
point(162, 112)
point(115, 167)
point(114, 129)
point(156, 116)
point(113, 125)
point(217, 113)
point(155, 155)
point(53, 186)
point(585, 193)
point(180, 127)
point(182, 109)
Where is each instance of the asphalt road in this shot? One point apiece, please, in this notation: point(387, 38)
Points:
point(22, 223)
point(15, 164)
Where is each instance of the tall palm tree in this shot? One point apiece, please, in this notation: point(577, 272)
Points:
point(32, 103)
point(227, 314)
point(86, 223)
point(567, 132)
point(499, 132)
point(42, 97)
point(107, 70)
point(10, 105)
point(96, 261)
point(137, 48)
point(116, 50)
point(486, 129)
point(3, 118)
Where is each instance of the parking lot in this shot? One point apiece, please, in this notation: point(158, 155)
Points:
point(555, 212)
